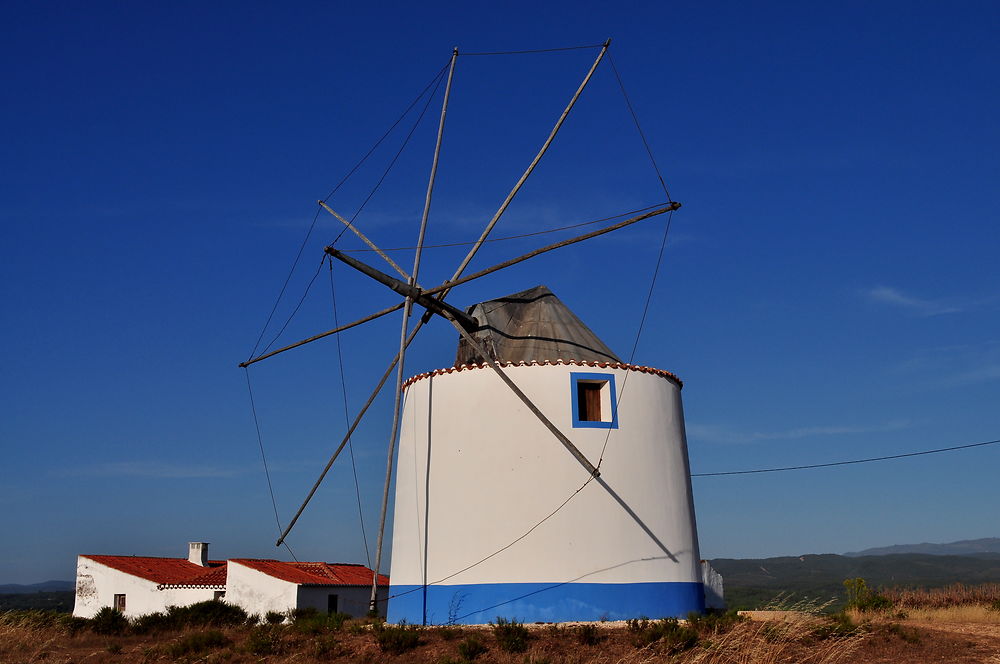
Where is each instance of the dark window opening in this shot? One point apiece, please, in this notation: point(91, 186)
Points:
point(588, 397)
point(331, 603)
point(219, 594)
point(120, 603)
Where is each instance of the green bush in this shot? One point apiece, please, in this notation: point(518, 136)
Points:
point(197, 643)
point(264, 640)
point(863, 598)
point(274, 617)
point(669, 633)
point(589, 635)
point(396, 639)
point(317, 623)
point(108, 621)
point(471, 648)
point(153, 622)
point(511, 635)
point(714, 622)
point(210, 613)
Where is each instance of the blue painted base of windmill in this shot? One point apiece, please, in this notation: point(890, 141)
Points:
point(474, 604)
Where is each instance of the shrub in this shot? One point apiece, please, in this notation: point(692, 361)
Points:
point(588, 635)
point(511, 635)
point(264, 640)
point(197, 643)
point(673, 636)
point(396, 639)
point(153, 622)
point(210, 613)
point(863, 598)
point(108, 621)
point(714, 622)
point(274, 617)
point(317, 623)
point(471, 648)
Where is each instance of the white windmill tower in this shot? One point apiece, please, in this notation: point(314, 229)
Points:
point(539, 477)
point(477, 468)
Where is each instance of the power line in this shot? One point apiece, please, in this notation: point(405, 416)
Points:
point(847, 463)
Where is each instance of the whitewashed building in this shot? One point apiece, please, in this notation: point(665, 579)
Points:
point(494, 516)
point(139, 585)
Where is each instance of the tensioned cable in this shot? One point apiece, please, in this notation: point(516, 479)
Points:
point(515, 237)
point(423, 111)
point(535, 50)
point(347, 419)
point(357, 212)
point(847, 463)
point(263, 458)
point(297, 306)
point(635, 119)
point(343, 180)
point(663, 244)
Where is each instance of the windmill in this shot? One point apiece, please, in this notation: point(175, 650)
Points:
point(521, 420)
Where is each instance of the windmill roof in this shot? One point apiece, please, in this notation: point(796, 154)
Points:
point(167, 571)
point(532, 326)
point(315, 574)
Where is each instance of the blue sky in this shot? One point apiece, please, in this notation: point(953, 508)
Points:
point(829, 290)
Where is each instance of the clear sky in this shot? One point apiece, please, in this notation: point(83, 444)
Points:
point(830, 289)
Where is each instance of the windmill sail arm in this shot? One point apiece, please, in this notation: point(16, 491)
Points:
point(413, 292)
point(567, 443)
point(448, 285)
point(364, 238)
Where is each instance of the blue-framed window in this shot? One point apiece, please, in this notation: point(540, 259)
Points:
point(595, 402)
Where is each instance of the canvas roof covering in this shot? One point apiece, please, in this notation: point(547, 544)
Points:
point(533, 325)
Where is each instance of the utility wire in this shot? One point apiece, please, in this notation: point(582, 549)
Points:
point(847, 463)
point(347, 419)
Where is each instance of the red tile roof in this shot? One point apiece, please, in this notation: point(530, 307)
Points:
point(167, 571)
point(181, 572)
point(315, 574)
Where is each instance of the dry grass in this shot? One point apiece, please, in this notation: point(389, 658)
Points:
point(979, 615)
point(987, 594)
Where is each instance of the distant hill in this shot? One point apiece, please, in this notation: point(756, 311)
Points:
point(750, 583)
point(44, 586)
point(960, 548)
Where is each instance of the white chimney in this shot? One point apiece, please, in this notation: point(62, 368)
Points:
point(198, 553)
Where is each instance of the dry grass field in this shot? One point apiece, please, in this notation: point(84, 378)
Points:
point(939, 631)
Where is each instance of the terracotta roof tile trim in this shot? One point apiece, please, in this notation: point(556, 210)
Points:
point(534, 363)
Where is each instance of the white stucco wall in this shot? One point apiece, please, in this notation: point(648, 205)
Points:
point(97, 584)
point(495, 471)
point(715, 597)
point(257, 593)
point(350, 599)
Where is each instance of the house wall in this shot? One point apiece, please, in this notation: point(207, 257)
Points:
point(476, 470)
point(350, 599)
point(257, 593)
point(97, 584)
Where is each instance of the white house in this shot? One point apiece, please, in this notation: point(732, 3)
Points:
point(139, 585)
